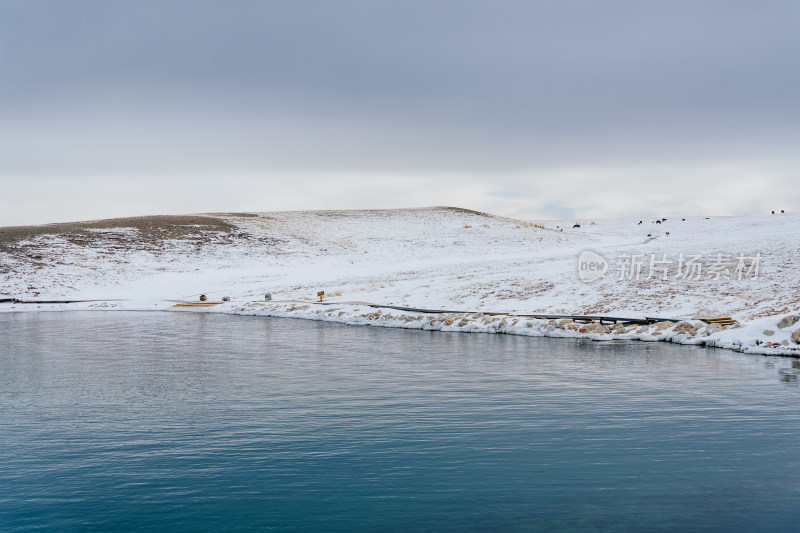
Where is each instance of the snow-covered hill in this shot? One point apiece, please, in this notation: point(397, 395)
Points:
point(441, 258)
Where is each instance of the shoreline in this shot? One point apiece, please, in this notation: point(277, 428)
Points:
point(686, 332)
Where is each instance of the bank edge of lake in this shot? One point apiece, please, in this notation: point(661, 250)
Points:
point(745, 338)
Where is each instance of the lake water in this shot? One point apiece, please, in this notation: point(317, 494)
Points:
point(199, 422)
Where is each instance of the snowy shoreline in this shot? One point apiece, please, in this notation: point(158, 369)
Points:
point(434, 258)
point(690, 332)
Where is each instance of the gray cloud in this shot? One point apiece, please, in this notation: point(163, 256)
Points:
point(397, 103)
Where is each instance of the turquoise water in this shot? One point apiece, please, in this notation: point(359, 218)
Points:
point(196, 422)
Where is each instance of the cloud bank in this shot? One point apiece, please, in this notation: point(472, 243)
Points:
point(529, 109)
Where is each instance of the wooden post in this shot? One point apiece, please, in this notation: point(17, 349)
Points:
point(321, 294)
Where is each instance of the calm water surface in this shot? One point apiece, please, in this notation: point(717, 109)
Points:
point(182, 421)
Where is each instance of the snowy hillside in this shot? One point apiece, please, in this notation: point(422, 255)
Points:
point(440, 258)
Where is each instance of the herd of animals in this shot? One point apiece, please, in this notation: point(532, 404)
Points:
point(656, 221)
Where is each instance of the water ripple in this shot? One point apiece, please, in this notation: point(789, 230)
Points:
point(152, 421)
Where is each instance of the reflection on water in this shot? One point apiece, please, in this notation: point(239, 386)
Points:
point(155, 421)
point(787, 370)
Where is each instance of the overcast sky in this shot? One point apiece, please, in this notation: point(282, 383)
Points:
point(532, 109)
